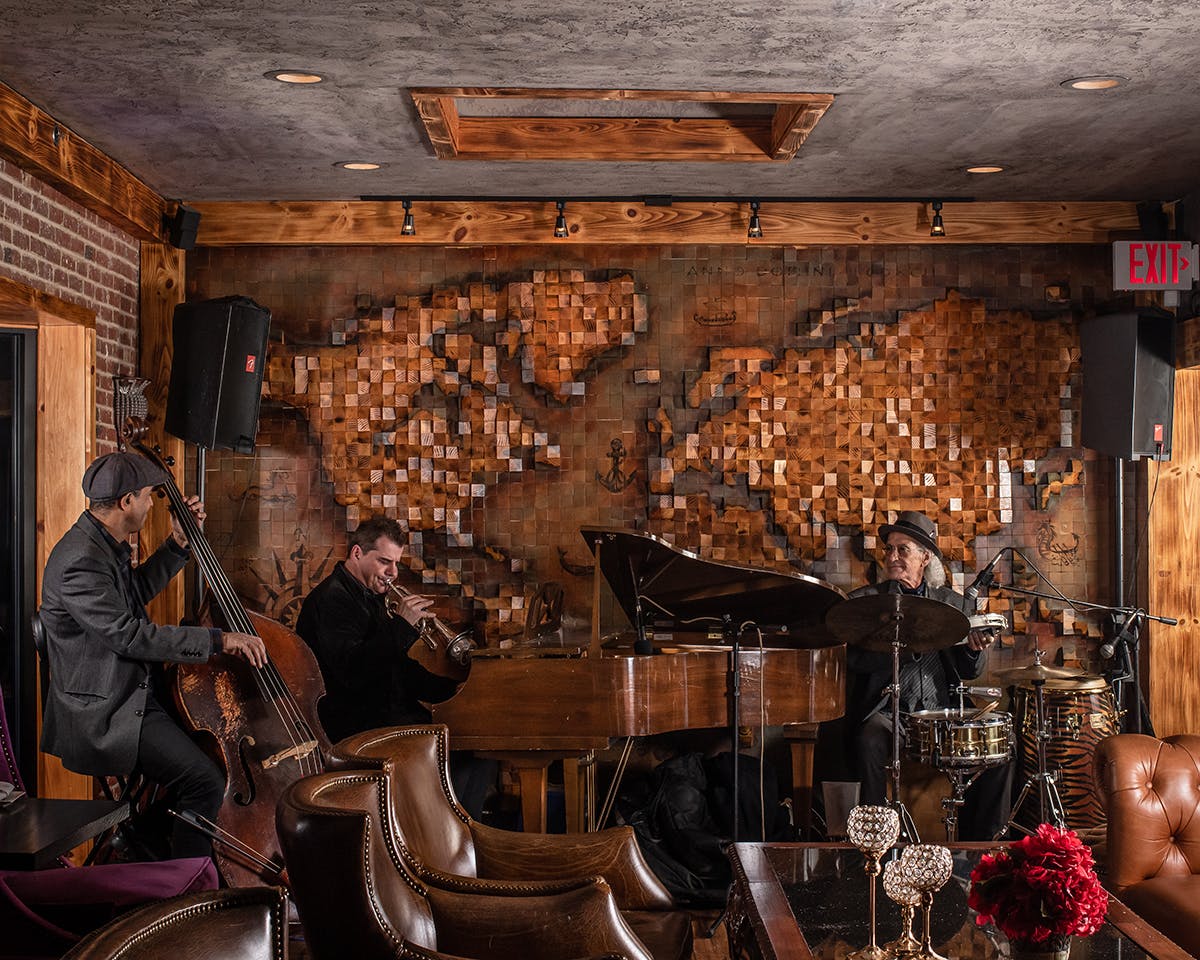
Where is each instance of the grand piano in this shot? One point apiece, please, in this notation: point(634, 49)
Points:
point(531, 710)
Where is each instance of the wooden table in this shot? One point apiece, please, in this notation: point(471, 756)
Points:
point(35, 831)
point(804, 900)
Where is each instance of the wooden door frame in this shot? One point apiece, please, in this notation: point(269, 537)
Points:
point(66, 444)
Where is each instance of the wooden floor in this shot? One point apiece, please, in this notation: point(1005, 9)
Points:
point(715, 947)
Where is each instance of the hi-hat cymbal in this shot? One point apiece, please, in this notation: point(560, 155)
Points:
point(873, 621)
point(1040, 671)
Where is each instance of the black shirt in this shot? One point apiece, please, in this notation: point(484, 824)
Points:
point(370, 680)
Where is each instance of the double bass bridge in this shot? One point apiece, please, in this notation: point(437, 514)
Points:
point(301, 751)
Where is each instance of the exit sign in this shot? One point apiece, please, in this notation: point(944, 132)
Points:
point(1154, 265)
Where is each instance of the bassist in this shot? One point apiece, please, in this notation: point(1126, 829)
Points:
point(103, 713)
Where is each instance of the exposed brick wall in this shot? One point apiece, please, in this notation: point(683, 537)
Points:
point(50, 242)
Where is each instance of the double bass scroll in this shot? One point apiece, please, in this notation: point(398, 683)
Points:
point(261, 721)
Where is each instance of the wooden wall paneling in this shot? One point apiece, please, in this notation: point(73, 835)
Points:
point(35, 141)
point(66, 441)
point(162, 274)
point(473, 223)
point(1171, 655)
point(66, 436)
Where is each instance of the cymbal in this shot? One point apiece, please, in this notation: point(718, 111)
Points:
point(873, 621)
point(1040, 671)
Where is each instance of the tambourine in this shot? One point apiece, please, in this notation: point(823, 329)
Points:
point(988, 621)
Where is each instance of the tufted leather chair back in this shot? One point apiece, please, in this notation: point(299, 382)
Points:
point(248, 923)
point(353, 896)
point(1151, 792)
point(435, 828)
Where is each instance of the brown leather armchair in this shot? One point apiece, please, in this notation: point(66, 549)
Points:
point(357, 898)
point(444, 846)
point(1151, 792)
point(248, 923)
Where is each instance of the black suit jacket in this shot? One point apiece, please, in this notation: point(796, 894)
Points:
point(100, 649)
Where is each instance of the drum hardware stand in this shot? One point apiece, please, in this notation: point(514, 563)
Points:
point(908, 828)
point(960, 780)
point(1125, 646)
point(1050, 806)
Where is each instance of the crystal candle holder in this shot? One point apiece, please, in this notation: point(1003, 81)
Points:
point(908, 897)
point(873, 830)
point(927, 867)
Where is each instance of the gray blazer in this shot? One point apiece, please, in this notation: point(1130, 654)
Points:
point(100, 651)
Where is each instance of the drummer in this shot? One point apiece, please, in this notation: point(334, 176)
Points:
point(912, 564)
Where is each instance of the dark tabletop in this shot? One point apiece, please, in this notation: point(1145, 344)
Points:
point(34, 831)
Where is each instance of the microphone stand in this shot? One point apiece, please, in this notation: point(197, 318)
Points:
point(733, 636)
point(1126, 639)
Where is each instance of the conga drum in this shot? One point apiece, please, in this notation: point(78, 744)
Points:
point(1079, 714)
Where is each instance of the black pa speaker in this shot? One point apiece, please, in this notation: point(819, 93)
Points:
point(1128, 362)
point(182, 227)
point(218, 354)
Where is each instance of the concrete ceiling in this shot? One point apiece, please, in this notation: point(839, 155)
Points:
point(175, 92)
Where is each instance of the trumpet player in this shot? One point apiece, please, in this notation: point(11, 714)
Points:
point(362, 648)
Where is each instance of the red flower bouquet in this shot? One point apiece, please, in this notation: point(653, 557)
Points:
point(1041, 890)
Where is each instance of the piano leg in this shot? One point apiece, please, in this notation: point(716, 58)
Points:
point(802, 738)
point(532, 779)
point(532, 771)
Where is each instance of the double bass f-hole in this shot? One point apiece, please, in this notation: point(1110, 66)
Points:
point(266, 738)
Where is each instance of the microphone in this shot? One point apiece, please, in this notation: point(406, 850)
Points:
point(984, 578)
point(1109, 647)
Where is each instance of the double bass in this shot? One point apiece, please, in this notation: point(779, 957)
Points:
point(262, 720)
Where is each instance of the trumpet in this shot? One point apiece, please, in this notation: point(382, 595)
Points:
point(434, 632)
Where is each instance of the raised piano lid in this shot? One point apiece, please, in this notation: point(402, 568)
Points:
point(655, 581)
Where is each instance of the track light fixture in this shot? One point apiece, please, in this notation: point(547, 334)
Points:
point(937, 229)
point(409, 227)
point(754, 232)
point(560, 222)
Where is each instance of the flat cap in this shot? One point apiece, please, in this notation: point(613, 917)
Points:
point(115, 474)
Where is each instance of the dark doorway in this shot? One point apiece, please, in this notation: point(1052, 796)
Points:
point(18, 508)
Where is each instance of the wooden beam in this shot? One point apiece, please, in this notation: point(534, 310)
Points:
point(613, 139)
point(588, 136)
point(1172, 654)
point(162, 273)
point(13, 293)
point(790, 127)
point(440, 116)
point(462, 223)
point(35, 141)
point(590, 93)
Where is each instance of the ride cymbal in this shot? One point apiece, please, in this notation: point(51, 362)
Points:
point(1040, 671)
point(875, 620)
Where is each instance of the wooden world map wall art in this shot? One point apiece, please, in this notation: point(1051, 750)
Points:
point(465, 416)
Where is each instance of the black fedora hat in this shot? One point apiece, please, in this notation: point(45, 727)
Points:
point(913, 524)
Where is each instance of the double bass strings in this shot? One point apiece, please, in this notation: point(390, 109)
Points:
point(271, 685)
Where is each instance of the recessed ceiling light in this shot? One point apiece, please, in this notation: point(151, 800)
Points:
point(1094, 83)
point(294, 76)
point(986, 168)
point(358, 165)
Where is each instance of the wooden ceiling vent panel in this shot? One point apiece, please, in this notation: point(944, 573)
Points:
point(470, 123)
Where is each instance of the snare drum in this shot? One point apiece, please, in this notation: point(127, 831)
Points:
point(1079, 714)
point(946, 738)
